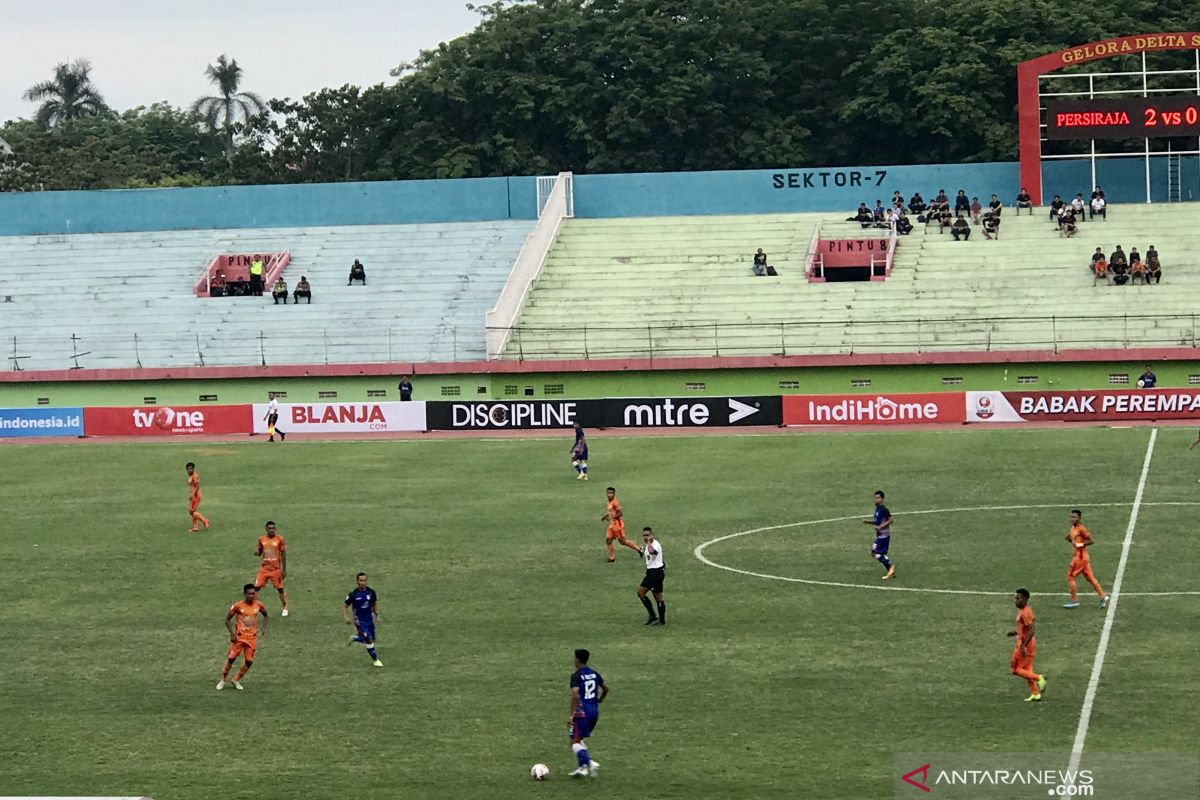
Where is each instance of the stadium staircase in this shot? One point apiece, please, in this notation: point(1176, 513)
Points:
point(428, 287)
point(679, 286)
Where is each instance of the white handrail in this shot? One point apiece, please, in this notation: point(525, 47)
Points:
point(499, 321)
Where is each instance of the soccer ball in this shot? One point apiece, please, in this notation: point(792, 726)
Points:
point(539, 772)
point(1141, 384)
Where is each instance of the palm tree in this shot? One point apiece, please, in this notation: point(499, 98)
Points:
point(70, 95)
point(220, 111)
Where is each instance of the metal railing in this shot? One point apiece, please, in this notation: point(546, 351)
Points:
point(379, 345)
point(97, 349)
point(1051, 334)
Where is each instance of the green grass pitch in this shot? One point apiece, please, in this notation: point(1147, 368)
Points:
point(488, 558)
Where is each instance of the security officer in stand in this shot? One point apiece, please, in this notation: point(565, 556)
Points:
point(256, 277)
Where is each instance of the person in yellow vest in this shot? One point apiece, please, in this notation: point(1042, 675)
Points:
point(256, 277)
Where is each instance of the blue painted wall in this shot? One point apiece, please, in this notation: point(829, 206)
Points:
point(843, 188)
point(295, 205)
point(646, 194)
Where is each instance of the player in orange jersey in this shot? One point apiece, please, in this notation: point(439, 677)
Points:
point(1081, 563)
point(1025, 648)
point(243, 634)
point(616, 527)
point(273, 551)
point(195, 498)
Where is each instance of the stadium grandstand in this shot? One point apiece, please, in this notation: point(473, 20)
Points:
point(120, 300)
point(683, 286)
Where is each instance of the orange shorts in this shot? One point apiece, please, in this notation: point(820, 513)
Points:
point(615, 532)
point(194, 502)
point(244, 648)
point(1080, 566)
point(1019, 663)
point(265, 575)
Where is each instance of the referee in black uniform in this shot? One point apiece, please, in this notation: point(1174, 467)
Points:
point(653, 582)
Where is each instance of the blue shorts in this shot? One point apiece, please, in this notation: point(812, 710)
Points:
point(365, 629)
point(581, 727)
point(880, 547)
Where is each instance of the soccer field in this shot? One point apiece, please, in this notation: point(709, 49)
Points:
point(489, 562)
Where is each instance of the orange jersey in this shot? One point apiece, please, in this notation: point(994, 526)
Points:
point(272, 551)
point(246, 615)
point(614, 512)
point(194, 483)
point(1024, 623)
point(1080, 536)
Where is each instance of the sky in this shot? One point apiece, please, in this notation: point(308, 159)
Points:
point(143, 51)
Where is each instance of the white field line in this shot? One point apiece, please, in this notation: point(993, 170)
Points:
point(1089, 697)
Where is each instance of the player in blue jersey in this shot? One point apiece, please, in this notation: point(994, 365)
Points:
point(579, 453)
point(882, 522)
point(588, 691)
point(366, 615)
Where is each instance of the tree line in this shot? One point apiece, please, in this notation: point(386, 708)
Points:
point(603, 86)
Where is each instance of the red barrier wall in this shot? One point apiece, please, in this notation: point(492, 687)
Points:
point(167, 421)
point(1107, 405)
point(877, 409)
point(852, 252)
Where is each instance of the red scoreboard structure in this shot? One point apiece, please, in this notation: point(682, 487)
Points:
point(1102, 114)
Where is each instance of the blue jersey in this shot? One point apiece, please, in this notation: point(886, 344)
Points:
point(588, 681)
point(881, 515)
point(363, 601)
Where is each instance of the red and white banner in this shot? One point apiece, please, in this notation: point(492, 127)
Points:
point(1086, 406)
point(166, 420)
point(344, 417)
point(874, 409)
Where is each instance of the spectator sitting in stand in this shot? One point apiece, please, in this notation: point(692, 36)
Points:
point(878, 212)
point(760, 263)
point(1153, 267)
point(1099, 207)
point(1120, 273)
point(1079, 207)
point(862, 216)
point(1097, 256)
point(961, 228)
point(303, 289)
point(897, 200)
point(1056, 206)
point(279, 291)
point(942, 199)
point(961, 204)
point(943, 218)
point(904, 225)
point(1118, 257)
point(218, 285)
point(995, 205)
point(1098, 192)
point(976, 211)
point(1100, 268)
point(357, 273)
point(1137, 270)
point(917, 204)
point(1067, 225)
point(991, 226)
point(1024, 201)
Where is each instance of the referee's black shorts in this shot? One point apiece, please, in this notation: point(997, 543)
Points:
point(272, 419)
point(654, 579)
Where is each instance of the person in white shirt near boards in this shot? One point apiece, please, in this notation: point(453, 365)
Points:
point(272, 418)
point(653, 582)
